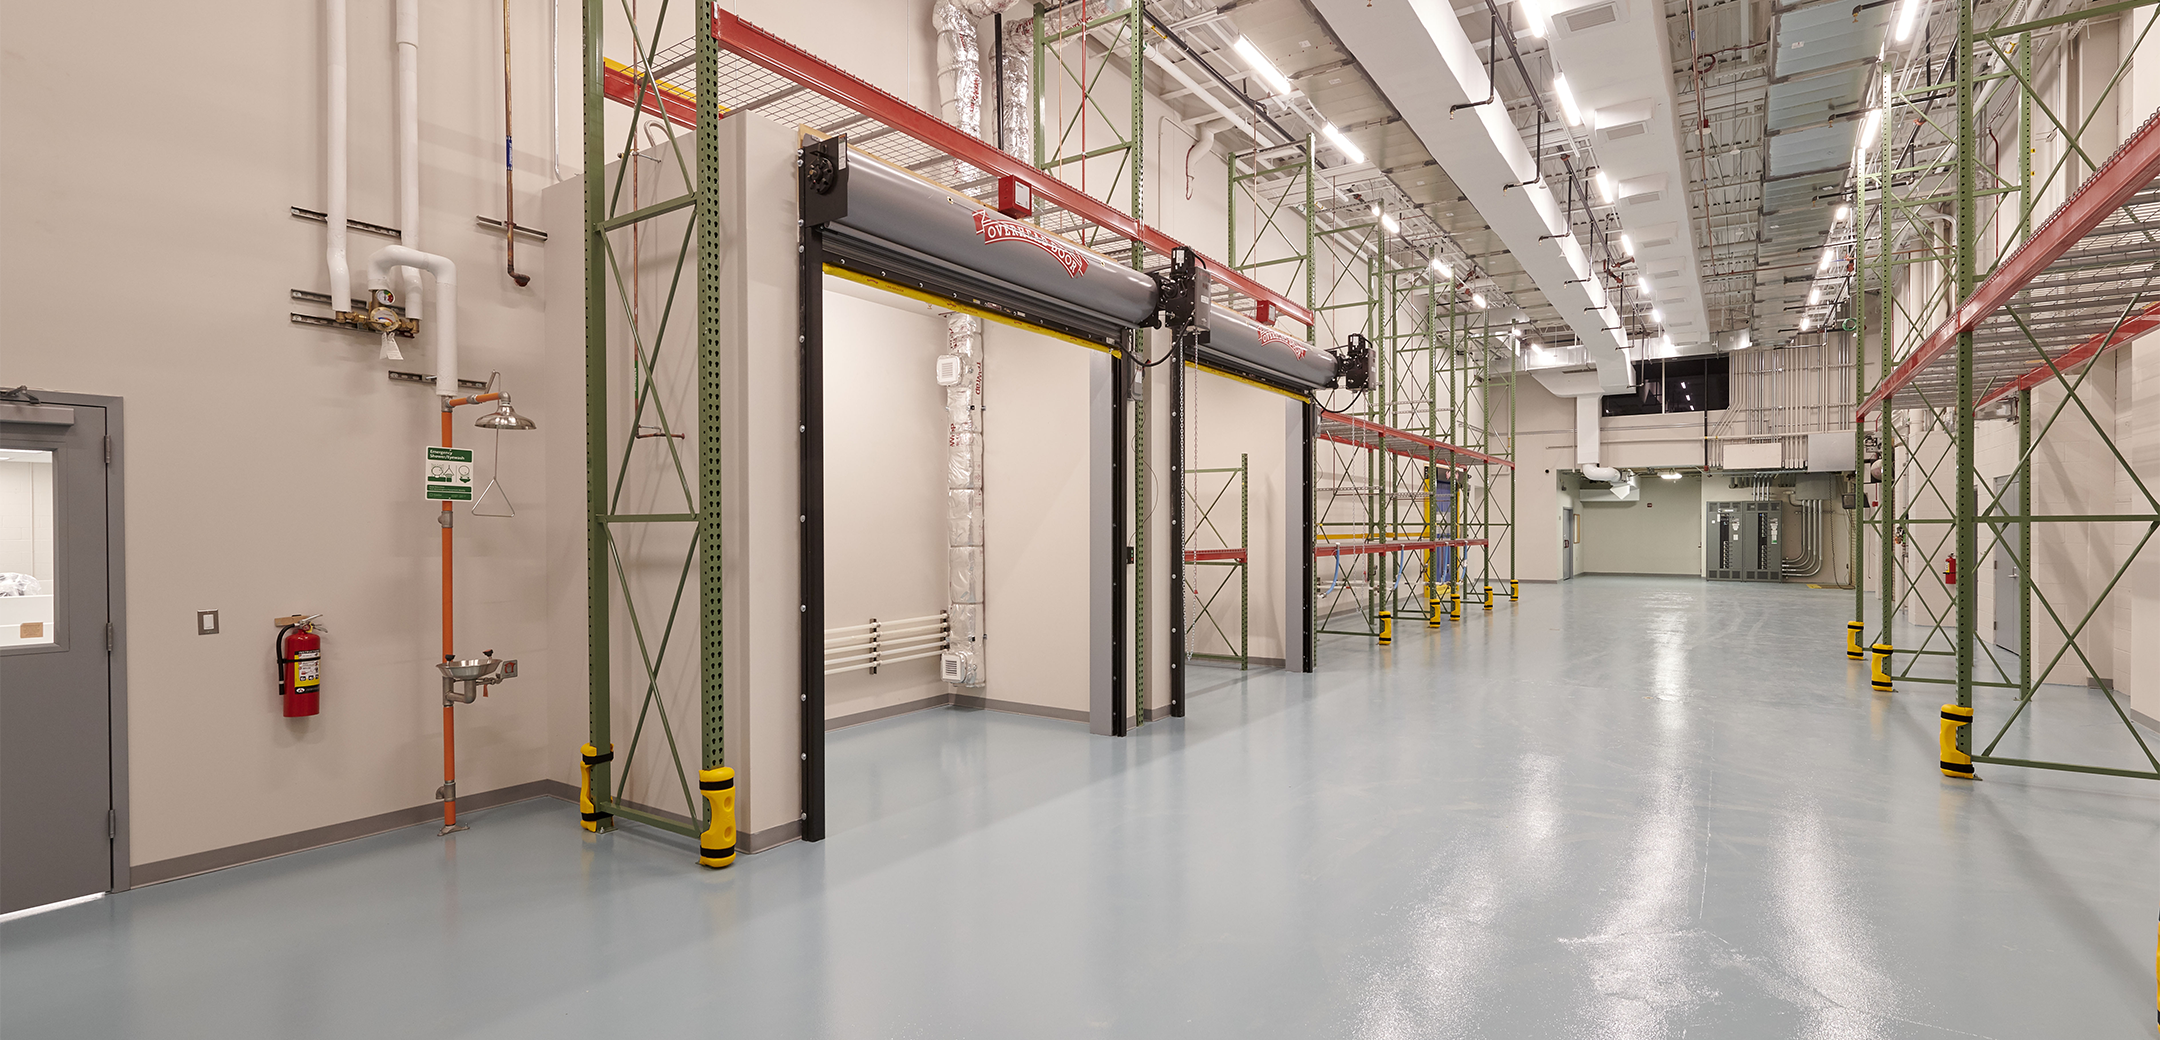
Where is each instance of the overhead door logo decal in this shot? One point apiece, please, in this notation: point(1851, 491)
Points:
point(1297, 347)
point(995, 229)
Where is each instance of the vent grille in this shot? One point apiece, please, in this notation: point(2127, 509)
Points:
point(1643, 199)
point(1657, 243)
point(1623, 131)
point(1592, 17)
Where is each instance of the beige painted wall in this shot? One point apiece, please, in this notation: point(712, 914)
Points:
point(1661, 533)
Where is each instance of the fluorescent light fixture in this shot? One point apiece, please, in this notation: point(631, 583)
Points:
point(1478, 299)
point(1908, 15)
point(1266, 69)
point(1389, 222)
point(1829, 254)
point(1671, 474)
point(1814, 296)
point(1803, 323)
point(1843, 211)
point(1657, 315)
point(1534, 13)
point(1642, 285)
point(1605, 191)
point(1567, 100)
point(1441, 268)
point(1342, 144)
point(1627, 245)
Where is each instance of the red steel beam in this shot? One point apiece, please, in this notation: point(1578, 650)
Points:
point(1214, 555)
point(797, 66)
point(618, 84)
point(1369, 548)
point(2128, 171)
point(2137, 325)
point(1389, 432)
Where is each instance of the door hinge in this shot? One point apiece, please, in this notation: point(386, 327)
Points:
point(108, 637)
point(112, 824)
point(108, 449)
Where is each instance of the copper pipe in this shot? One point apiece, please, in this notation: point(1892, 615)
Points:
point(509, 168)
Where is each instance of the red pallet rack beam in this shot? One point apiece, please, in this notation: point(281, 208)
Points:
point(1369, 548)
point(1388, 432)
point(2144, 321)
point(2131, 168)
point(785, 59)
point(1214, 555)
point(620, 83)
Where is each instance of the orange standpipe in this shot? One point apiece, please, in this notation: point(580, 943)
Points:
point(449, 647)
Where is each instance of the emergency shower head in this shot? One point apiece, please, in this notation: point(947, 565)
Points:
point(504, 417)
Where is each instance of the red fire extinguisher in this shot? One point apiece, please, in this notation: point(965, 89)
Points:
point(1950, 570)
point(299, 654)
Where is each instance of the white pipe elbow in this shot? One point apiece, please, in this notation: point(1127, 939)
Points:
point(445, 321)
point(1601, 474)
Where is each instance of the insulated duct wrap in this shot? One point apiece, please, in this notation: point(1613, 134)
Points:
point(965, 574)
point(960, 79)
point(1016, 76)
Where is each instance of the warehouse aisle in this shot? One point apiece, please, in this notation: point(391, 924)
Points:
point(1636, 808)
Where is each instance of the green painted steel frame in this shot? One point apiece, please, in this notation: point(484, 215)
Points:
point(606, 568)
point(1957, 151)
point(1204, 517)
point(1127, 33)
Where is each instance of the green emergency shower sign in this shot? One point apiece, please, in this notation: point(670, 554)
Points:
point(449, 474)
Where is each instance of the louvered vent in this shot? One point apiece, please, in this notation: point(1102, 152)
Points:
point(1592, 17)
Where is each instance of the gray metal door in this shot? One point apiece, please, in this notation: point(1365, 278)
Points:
point(2009, 630)
point(56, 797)
point(1567, 544)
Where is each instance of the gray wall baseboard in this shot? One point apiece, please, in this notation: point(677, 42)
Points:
point(2146, 720)
point(887, 712)
point(969, 700)
point(316, 837)
point(955, 700)
point(758, 841)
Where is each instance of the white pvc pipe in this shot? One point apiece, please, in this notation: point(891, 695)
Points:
point(445, 272)
point(334, 42)
point(408, 114)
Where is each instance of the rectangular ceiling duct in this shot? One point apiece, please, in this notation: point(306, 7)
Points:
point(1419, 56)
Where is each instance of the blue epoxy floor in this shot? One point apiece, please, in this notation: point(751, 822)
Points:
point(1622, 808)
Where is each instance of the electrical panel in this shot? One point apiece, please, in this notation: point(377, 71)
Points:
point(1742, 541)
